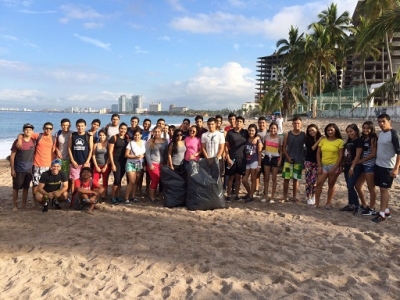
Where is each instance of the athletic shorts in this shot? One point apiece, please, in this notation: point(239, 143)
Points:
point(292, 171)
point(75, 174)
point(239, 167)
point(37, 173)
point(382, 177)
point(65, 166)
point(271, 161)
point(368, 169)
point(133, 167)
point(253, 165)
point(328, 168)
point(22, 180)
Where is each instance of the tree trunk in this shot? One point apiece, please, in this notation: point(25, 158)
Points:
point(365, 78)
point(390, 65)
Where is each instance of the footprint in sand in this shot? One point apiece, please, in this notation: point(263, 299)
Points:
point(226, 287)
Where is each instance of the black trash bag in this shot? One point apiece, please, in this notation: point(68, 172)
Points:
point(174, 187)
point(204, 185)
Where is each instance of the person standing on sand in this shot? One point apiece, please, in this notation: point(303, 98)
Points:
point(367, 161)
point(94, 130)
point(261, 132)
point(176, 152)
point(199, 124)
point(386, 164)
point(329, 159)
point(101, 160)
point(313, 137)
point(62, 146)
point(213, 143)
point(21, 162)
point(293, 149)
point(279, 121)
point(53, 185)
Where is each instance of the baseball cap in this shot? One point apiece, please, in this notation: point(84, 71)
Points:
point(56, 162)
point(27, 125)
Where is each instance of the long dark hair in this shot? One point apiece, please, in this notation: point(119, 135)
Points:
point(174, 140)
point(309, 139)
point(371, 126)
point(355, 128)
point(338, 135)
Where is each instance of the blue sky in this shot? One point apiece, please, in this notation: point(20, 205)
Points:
point(196, 53)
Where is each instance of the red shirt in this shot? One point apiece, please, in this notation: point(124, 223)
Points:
point(86, 185)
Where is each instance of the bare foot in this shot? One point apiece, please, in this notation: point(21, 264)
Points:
point(15, 208)
point(89, 212)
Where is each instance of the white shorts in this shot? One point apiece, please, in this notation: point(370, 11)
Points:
point(253, 165)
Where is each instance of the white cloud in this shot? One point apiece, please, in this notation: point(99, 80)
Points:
point(25, 3)
point(10, 37)
point(92, 25)
point(13, 66)
point(24, 94)
point(237, 3)
point(227, 86)
point(79, 12)
point(273, 28)
point(138, 50)
point(236, 47)
point(176, 5)
point(72, 76)
point(94, 42)
point(164, 38)
point(25, 11)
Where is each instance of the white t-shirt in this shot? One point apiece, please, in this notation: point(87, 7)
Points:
point(279, 121)
point(111, 131)
point(136, 150)
point(212, 141)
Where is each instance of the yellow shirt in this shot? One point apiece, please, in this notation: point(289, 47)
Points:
point(330, 151)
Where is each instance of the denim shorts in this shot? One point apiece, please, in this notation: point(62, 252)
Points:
point(368, 169)
point(133, 166)
point(253, 165)
point(327, 168)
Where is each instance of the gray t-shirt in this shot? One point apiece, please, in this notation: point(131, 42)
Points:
point(156, 154)
point(62, 143)
point(179, 156)
point(386, 151)
point(295, 146)
point(262, 135)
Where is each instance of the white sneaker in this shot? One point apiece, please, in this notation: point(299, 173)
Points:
point(271, 201)
point(309, 201)
point(264, 200)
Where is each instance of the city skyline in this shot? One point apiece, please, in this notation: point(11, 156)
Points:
point(190, 53)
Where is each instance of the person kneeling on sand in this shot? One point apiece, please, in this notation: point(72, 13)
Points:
point(53, 185)
point(86, 190)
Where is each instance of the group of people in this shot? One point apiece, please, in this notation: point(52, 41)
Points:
point(72, 163)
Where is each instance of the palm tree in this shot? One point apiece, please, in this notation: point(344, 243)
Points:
point(283, 93)
point(290, 46)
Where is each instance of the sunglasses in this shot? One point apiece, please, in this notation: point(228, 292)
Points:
point(179, 134)
point(192, 130)
point(48, 128)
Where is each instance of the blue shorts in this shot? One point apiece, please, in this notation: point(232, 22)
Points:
point(368, 169)
point(328, 168)
point(134, 166)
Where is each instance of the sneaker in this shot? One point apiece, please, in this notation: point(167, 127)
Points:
point(248, 200)
point(120, 200)
point(368, 211)
point(271, 201)
point(237, 198)
point(227, 198)
point(387, 215)
point(45, 207)
point(57, 206)
point(358, 211)
point(134, 199)
point(127, 202)
point(378, 219)
point(114, 201)
point(347, 208)
point(264, 200)
point(245, 197)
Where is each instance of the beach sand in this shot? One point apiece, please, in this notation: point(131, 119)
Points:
point(247, 251)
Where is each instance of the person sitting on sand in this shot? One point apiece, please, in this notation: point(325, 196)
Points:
point(21, 162)
point(53, 185)
point(87, 190)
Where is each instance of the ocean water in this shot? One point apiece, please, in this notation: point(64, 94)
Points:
point(11, 123)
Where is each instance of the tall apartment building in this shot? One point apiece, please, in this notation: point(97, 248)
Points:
point(266, 71)
point(122, 104)
point(137, 103)
point(155, 106)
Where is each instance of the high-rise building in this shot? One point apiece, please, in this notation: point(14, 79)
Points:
point(122, 103)
point(136, 103)
point(155, 106)
point(114, 108)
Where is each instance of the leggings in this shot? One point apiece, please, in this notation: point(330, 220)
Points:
point(120, 172)
point(311, 169)
point(97, 175)
point(154, 175)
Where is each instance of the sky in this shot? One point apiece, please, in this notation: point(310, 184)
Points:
point(196, 53)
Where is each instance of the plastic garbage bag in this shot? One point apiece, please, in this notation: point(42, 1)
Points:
point(204, 185)
point(174, 187)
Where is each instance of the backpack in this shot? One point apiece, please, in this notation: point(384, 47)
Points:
point(78, 204)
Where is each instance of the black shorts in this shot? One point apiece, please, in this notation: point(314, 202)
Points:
point(239, 167)
point(382, 177)
point(271, 161)
point(22, 180)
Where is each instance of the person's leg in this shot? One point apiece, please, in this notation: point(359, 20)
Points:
point(295, 187)
point(359, 186)
point(308, 175)
point(129, 186)
point(15, 199)
point(133, 182)
point(238, 181)
point(371, 188)
point(384, 199)
point(155, 177)
point(285, 189)
point(24, 197)
point(320, 183)
point(230, 183)
point(266, 181)
point(245, 181)
point(332, 178)
point(254, 173)
point(274, 181)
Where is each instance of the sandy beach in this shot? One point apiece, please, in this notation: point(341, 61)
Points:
point(246, 251)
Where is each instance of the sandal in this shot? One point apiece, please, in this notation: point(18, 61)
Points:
point(328, 207)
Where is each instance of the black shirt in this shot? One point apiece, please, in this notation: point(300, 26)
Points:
point(350, 149)
point(53, 182)
point(237, 142)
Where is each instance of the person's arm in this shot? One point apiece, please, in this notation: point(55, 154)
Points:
point(197, 154)
point(315, 146)
point(87, 162)
point(170, 157)
point(148, 157)
point(42, 191)
point(228, 158)
point(259, 151)
point(221, 148)
point(338, 162)
point(12, 160)
point(319, 160)
point(96, 166)
point(111, 154)
point(288, 158)
point(355, 161)
point(203, 149)
point(71, 156)
point(372, 154)
point(61, 191)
